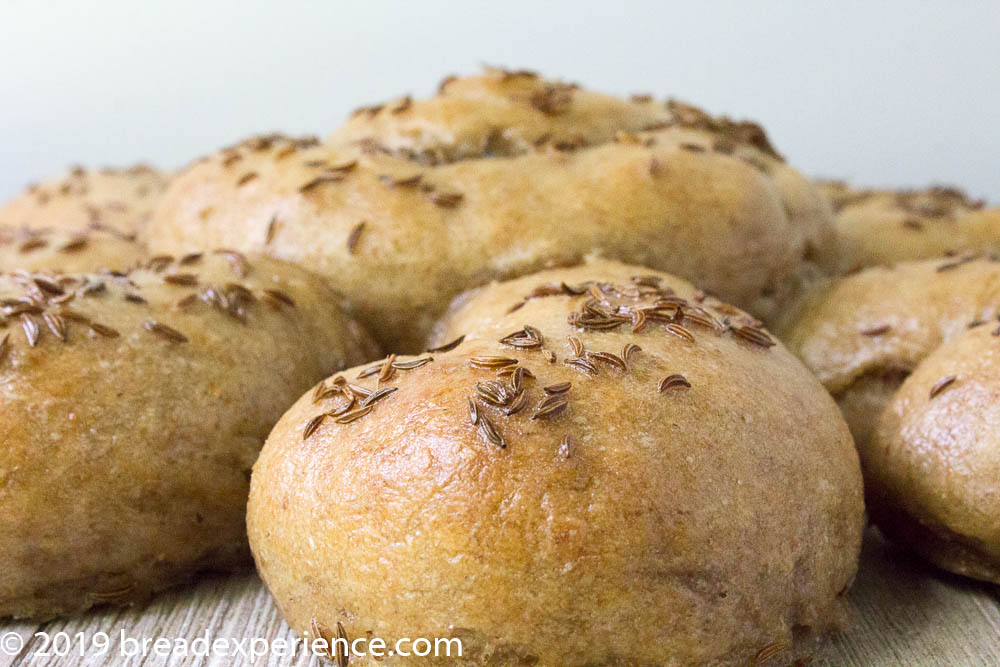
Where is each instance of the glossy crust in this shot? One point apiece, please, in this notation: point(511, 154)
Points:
point(700, 524)
point(934, 467)
point(499, 176)
point(86, 250)
point(126, 448)
point(863, 334)
point(115, 200)
point(883, 227)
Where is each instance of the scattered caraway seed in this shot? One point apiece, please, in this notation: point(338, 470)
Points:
point(387, 371)
point(358, 391)
point(410, 365)
point(353, 415)
point(550, 406)
point(770, 651)
point(4, 347)
point(608, 358)
point(518, 404)
point(320, 180)
point(942, 384)
point(527, 337)
point(368, 372)
point(56, 324)
point(186, 279)
point(673, 382)
point(272, 228)
point(876, 330)
point(581, 364)
point(559, 388)
point(354, 237)
point(566, 447)
point(165, 332)
point(575, 345)
point(31, 331)
point(447, 347)
point(492, 362)
point(377, 396)
point(317, 632)
point(313, 424)
point(680, 332)
point(510, 371)
point(493, 392)
point(473, 412)
point(753, 335)
point(629, 350)
point(446, 199)
point(403, 182)
point(277, 297)
point(490, 433)
point(343, 656)
point(102, 330)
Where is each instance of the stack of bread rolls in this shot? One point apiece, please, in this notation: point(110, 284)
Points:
point(507, 347)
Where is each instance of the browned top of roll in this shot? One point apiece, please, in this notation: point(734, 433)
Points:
point(116, 200)
point(882, 227)
point(401, 221)
point(566, 481)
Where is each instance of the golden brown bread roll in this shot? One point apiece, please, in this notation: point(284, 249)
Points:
point(86, 250)
point(882, 227)
point(401, 215)
point(934, 467)
point(115, 200)
point(134, 406)
point(558, 489)
point(863, 334)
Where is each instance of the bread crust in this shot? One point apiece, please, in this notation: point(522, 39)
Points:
point(699, 524)
point(863, 334)
point(81, 251)
point(933, 469)
point(405, 207)
point(115, 200)
point(883, 227)
point(134, 406)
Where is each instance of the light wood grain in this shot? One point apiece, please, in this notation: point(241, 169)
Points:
point(906, 613)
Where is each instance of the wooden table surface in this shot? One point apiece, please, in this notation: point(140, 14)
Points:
point(905, 613)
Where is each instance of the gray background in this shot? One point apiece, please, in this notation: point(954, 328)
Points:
point(887, 93)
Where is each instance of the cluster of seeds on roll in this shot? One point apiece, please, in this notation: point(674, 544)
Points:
point(554, 99)
point(508, 393)
point(334, 645)
point(29, 240)
point(323, 172)
point(644, 302)
point(77, 185)
point(45, 302)
point(355, 401)
point(918, 206)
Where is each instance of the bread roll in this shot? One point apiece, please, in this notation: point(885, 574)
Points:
point(498, 176)
point(556, 488)
point(882, 227)
point(115, 200)
point(863, 334)
point(935, 464)
point(134, 406)
point(48, 249)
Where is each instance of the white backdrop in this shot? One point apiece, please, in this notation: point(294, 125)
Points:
point(892, 93)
